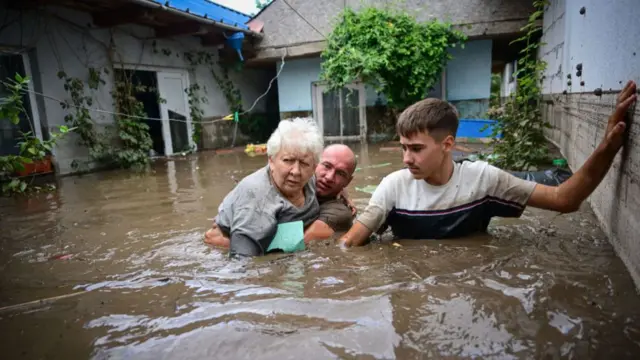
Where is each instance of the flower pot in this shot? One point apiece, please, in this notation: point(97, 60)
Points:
point(37, 167)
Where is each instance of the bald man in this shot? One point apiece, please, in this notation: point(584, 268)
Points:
point(333, 174)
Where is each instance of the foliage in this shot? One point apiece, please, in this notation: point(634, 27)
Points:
point(31, 148)
point(261, 4)
point(496, 82)
point(196, 112)
point(229, 90)
point(132, 131)
point(133, 134)
point(257, 127)
point(389, 50)
point(80, 117)
point(519, 121)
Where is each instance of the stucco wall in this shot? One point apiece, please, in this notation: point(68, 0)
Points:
point(604, 41)
point(468, 78)
point(283, 27)
point(59, 39)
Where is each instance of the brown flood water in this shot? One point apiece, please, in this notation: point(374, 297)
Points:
point(543, 286)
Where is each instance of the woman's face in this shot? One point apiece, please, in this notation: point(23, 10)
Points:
point(291, 171)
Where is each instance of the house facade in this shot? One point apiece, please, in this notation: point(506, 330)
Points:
point(297, 29)
point(591, 52)
point(144, 39)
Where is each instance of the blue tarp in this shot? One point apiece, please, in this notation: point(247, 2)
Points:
point(212, 11)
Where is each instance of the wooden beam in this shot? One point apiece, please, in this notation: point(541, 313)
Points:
point(213, 39)
point(122, 15)
point(181, 29)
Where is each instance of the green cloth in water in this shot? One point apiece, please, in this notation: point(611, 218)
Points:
point(289, 237)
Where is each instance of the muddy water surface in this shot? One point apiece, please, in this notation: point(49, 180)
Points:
point(125, 254)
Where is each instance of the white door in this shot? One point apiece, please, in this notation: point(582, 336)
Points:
point(341, 114)
point(176, 122)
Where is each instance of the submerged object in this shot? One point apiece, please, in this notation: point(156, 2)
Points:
point(259, 149)
point(551, 177)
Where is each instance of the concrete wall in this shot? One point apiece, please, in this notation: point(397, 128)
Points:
point(468, 77)
point(294, 83)
point(59, 39)
point(283, 27)
point(604, 41)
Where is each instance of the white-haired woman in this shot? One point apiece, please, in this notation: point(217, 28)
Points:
point(282, 191)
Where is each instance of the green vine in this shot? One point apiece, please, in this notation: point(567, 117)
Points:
point(389, 50)
point(519, 120)
point(79, 116)
point(133, 134)
point(196, 112)
point(229, 90)
point(31, 149)
point(132, 131)
point(257, 127)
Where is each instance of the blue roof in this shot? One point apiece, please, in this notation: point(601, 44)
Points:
point(210, 10)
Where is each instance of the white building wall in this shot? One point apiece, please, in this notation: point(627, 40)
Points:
point(604, 39)
point(62, 39)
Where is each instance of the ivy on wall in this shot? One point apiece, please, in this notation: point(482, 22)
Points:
point(258, 127)
point(131, 150)
point(519, 121)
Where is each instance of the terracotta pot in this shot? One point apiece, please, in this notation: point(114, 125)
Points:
point(37, 167)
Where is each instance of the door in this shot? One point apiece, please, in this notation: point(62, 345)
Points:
point(176, 122)
point(341, 114)
point(10, 134)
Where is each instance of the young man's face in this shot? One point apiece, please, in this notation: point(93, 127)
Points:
point(423, 155)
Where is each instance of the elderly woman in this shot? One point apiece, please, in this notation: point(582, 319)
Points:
point(282, 191)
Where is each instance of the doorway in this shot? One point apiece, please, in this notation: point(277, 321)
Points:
point(10, 134)
point(176, 124)
point(163, 94)
point(340, 114)
point(145, 90)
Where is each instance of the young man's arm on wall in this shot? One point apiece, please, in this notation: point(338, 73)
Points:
point(569, 195)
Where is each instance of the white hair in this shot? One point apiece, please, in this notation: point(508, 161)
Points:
point(298, 134)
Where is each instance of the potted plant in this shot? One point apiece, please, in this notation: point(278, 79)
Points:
point(36, 154)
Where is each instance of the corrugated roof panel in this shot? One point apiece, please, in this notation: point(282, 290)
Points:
point(212, 11)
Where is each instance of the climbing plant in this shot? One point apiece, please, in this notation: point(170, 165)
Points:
point(132, 131)
point(79, 115)
point(30, 148)
point(257, 127)
point(195, 110)
point(389, 50)
point(519, 120)
point(134, 143)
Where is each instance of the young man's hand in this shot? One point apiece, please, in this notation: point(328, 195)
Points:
point(614, 136)
point(569, 195)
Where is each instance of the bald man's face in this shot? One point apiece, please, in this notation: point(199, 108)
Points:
point(334, 172)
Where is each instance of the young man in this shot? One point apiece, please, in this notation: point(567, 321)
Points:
point(333, 174)
point(435, 198)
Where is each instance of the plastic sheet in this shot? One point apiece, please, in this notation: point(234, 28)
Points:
point(552, 177)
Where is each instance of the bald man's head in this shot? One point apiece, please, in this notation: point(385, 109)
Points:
point(335, 171)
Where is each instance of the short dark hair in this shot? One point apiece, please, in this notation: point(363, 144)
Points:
point(436, 117)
